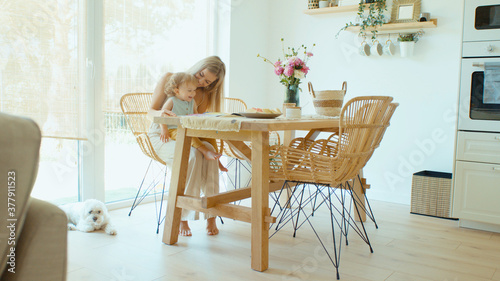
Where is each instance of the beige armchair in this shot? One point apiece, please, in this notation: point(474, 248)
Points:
point(33, 233)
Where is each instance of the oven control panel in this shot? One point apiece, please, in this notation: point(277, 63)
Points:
point(481, 49)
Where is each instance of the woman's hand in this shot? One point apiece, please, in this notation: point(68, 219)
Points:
point(164, 135)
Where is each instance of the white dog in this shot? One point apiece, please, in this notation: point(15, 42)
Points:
point(88, 216)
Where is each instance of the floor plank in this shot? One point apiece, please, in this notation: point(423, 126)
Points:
point(406, 247)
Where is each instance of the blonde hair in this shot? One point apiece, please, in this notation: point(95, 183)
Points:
point(216, 90)
point(177, 80)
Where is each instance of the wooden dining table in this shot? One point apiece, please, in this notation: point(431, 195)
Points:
point(258, 215)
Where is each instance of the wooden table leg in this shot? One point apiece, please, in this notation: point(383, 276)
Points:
point(177, 187)
point(260, 200)
point(361, 195)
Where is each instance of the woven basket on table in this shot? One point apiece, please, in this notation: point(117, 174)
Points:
point(329, 102)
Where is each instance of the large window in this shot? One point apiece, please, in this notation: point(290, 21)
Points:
point(40, 77)
point(67, 63)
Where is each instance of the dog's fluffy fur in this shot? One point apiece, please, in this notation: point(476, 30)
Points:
point(88, 216)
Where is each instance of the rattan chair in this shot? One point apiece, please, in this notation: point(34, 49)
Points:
point(330, 165)
point(135, 107)
point(302, 143)
point(386, 118)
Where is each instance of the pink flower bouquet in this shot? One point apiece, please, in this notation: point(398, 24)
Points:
point(291, 68)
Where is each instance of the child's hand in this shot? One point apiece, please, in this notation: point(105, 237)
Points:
point(165, 135)
point(165, 112)
point(168, 113)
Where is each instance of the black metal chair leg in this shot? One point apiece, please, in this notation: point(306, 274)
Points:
point(299, 209)
point(160, 219)
point(139, 190)
point(362, 224)
point(337, 258)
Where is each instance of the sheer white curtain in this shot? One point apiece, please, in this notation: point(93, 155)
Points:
point(143, 39)
point(49, 72)
point(146, 38)
point(40, 58)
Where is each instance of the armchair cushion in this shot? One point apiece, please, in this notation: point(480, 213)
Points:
point(33, 233)
point(19, 151)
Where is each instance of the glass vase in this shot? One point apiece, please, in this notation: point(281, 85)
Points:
point(292, 94)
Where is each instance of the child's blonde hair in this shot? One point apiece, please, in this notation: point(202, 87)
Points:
point(177, 80)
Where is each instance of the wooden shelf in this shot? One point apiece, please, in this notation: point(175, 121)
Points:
point(399, 27)
point(332, 10)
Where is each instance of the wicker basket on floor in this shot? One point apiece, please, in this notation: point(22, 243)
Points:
point(431, 194)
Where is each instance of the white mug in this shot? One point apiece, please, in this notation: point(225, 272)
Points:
point(287, 105)
point(389, 48)
point(364, 50)
point(376, 48)
point(293, 112)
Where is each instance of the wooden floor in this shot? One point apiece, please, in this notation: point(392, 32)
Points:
point(406, 247)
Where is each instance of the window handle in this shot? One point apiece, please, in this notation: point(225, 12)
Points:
point(90, 64)
point(478, 64)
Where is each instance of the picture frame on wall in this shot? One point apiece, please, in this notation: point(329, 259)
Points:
point(405, 11)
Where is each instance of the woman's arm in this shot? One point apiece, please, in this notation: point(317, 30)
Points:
point(159, 97)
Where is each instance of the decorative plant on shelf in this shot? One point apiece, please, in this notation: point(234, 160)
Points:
point(407, 42)
point(375, 17)
point(411, 37)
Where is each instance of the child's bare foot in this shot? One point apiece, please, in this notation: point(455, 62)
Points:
point(212, 227)
point(184, 229)
point(209, 154)
point(222, 168)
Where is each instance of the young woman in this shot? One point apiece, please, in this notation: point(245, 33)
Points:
point(203, 174)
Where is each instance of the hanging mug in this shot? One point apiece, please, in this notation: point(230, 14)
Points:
point(364, 50)
point(376, 48)
point(389, 48)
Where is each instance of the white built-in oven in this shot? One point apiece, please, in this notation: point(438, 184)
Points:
point(481, 20)
point(480, 87)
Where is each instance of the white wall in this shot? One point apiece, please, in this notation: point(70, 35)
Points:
point(421, 135)
point(248, 37)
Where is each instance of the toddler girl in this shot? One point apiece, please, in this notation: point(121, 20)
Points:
point(181, 90)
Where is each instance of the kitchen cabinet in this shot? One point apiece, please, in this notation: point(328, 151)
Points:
point(477, 179)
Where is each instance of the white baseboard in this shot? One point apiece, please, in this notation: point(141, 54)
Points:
point(479, 225)
point(128, 203)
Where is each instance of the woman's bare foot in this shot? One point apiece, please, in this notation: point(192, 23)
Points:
point(184, 229)
point(212, 227)
point(222, 168)
point(209, 154)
